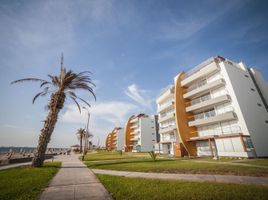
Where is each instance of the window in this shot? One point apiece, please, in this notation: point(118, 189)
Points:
point(252, 89)
point(259, 104)
point(266, 121)
point(248, 143)
point(152, 133)
point(246, 75)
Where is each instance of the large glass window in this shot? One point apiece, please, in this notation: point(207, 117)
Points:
point(248, 143)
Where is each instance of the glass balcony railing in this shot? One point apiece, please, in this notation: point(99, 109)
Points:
point(199, 100)
point(211, 113)
point(197, 85)
point(166, 104)
point(167, 138)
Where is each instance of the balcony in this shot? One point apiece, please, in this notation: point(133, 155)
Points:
point(168, 139)
point(170, 115)
point(201, 73)
point(169, 93)
point(134, 120)
point(167, 129)
point(134, 139)
point(165, 106)
point(203, 89)
point(134, 126)
point(207, 102)
point(212, 118)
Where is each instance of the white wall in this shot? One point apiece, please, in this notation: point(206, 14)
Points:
point(148, 133)
point(251, 117)
point(263, 86)
point(120, 139)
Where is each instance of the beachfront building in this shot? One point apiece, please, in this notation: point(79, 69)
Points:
point(110, 141)
point(115, 140)
point(220, 109)
point(141, 133)
point(169, 139)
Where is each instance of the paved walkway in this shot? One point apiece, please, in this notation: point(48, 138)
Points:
point(248, 180)
point(74, 181)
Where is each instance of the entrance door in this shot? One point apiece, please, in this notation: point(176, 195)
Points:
point(169, 148)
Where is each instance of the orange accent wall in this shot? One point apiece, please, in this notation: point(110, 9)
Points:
point(111, 140)
point(181, 117)
point(107, 143)
point(128, 143)
point(177, 150)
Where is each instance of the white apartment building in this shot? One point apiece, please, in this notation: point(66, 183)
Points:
point(166, 119)
point(140, 133)
point(120, 138)
point(220, 110)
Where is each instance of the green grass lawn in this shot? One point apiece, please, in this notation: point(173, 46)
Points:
point(106, 155)
point(143, 164)
point(123, 188)
point(262, 162)
point(26, 182)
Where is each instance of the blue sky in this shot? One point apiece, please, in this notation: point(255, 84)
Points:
point(134, 49)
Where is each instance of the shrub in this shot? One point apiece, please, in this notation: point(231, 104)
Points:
point(153, 155)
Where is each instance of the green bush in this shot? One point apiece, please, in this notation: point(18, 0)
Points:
point(153, 155)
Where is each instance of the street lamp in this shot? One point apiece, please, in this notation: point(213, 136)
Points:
point(87, 133)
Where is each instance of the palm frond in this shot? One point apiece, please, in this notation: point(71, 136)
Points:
point(36, 96)
point(76, 104)
point(84, 101)
point(43, 93)
point(45, 83)
point(28, 79)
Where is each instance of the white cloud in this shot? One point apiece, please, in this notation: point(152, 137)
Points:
point(140, 96)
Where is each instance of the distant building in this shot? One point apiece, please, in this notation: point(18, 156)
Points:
point(217, 109)
point(115, 139)
point(75, 148)
point(141, 133)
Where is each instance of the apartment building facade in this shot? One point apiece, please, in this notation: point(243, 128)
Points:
point(169, 139)
point(141, 133)
point(219, 108)
point(115, 139)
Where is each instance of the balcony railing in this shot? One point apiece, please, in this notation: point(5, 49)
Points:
point(203, 115)
point(211, 118)
point(199, 100)
point(217, 132)
point(168, 139)
point(197, 85)
point(203, 64)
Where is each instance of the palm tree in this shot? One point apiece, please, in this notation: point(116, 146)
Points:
point(60, 87)
point(81, 133)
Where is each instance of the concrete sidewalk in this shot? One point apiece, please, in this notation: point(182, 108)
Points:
point(74, 181)
point(247, 180)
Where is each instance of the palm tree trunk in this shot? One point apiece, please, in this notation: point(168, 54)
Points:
point(81, 140)
point(55, 105)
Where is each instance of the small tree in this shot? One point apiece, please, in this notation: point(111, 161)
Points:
point(153, 155)
point(81, 135)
